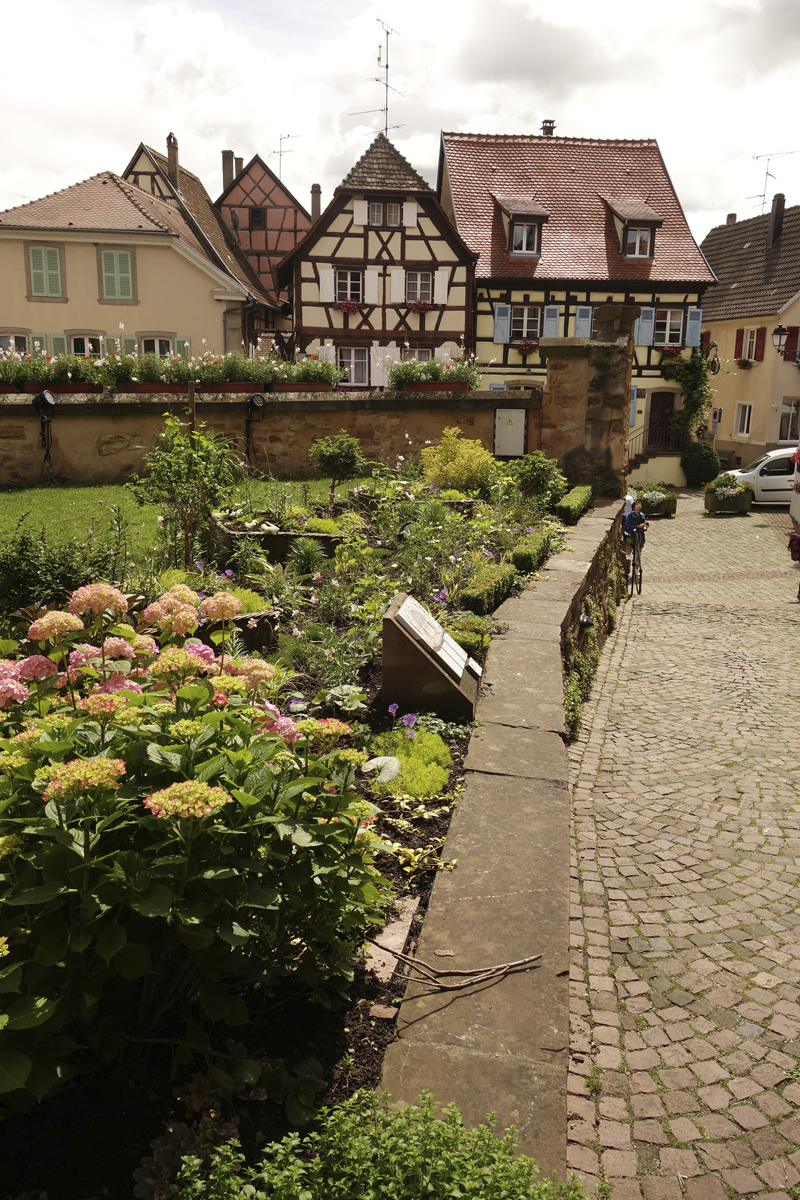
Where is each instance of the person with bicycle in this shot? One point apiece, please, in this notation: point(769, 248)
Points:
point(635, 524)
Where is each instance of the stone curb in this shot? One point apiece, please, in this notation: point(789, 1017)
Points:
point(504, 1047)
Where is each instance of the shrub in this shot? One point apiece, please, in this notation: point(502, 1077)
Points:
point(457, 462)
point(539, 475)
point(488, 587)
point(574, 504)
point(251, 601)
point(699, 463)
point(322, 525)
point(425, 762)
point(338, 456)
point(34, 571)
point(531, 551)
point(306, 557)
point(365, 1148)
point(470, 631)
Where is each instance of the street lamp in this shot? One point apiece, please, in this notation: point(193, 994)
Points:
point(779, 337)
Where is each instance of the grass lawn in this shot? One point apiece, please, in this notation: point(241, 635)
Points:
point(68, 512)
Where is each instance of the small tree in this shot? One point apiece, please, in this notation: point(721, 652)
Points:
point(189, 475)
point(699, 463)
point(338, 456)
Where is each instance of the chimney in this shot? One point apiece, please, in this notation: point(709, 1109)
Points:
point(227, 169)
point(173, 169)
point(316, 201)
point(239, 163)
point(547, 128)
point(776, 219)
point(730, 219)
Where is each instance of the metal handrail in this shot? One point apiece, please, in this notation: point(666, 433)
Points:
point(659, 435)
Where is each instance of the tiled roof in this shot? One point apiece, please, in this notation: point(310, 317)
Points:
point(567, 176)
point(630, 208)
point(753, 281)
point(383, 168)
point(103, 203)
point(199, 206)
point(520, 206)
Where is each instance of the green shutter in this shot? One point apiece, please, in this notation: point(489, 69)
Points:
point(38, 280)
point(42, 340)
point(58, 343)
point(183, 347)
point(108, 263)
point(53, 258)
point(130, 345)
point(124, 275)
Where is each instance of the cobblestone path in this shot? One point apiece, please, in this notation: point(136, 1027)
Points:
point(685, 934)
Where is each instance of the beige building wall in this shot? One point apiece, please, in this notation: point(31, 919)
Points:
point(174, 295)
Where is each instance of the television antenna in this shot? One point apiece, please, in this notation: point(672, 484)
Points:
point(762, 196)
point(283, 137)
point(383, 67)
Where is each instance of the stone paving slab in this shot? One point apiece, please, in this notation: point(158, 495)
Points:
point(685, 902)
point(522, 685)
point(527, 753)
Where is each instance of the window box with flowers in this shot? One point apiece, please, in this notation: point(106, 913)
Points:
point(726, 494)
point(744, 364)
point(526, 346)
point(420, 306)
point(349, 307)
point(433, 375)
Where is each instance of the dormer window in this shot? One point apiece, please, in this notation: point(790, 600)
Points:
point(638, 241)
point(525, 237)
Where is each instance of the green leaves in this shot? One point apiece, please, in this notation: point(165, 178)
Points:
point(111, 941)
point(133, 961)
point(15, 1068)
point(29, 1011)
point(387, 766)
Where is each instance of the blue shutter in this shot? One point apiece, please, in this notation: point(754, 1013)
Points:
point(583, 321)
point(502, 324)
point(694, 319)
point(643, 330)
point(550, 322)
point(633, 407)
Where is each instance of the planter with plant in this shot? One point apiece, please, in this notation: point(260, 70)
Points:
point(726, 494)
point(433, 374)
point(657, 500)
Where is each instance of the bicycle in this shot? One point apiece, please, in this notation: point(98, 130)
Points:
point(636, 566)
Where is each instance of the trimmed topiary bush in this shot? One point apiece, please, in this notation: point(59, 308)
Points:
point(470, 631)
point(531, 551)
point(699, 463)
point(488, 587)
point(574, 504)
point(459, 463)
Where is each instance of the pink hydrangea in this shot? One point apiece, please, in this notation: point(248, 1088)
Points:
point(118, 682)
point(80, 656)
point(97, 598)
point(9, 668)
point(187, 799)
point(12, 689)
point(172, 614)
point(221, 607)
point(117, 647)
point(144, 644)
point(200, 650)
point(271, 713)
point(37, 667)
point(53, 625)
point(274, 723)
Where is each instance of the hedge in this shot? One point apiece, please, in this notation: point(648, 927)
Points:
point(531, 551)
point(488, 588)
point(699, 463)
point(574, 505)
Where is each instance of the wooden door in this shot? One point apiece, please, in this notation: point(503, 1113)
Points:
point(659, 430)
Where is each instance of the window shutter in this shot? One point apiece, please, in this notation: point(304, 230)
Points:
point(633, 407)
point(790, 349)
point(409, 212)
point(38, 283)
point(326, 353)
point(58, 343)
point(327, 285)
point(583, 321)
point(643, 334)
point(53, 263)
point(398, 285)
point(108, 263)
point(694, 319)
point(42, 340)
point(183, 347)
point(761, 337)
point(502, 324)
point(371, 287)
point(737, 350)
point(441, 352)
point(440, 285)
point(130, 345)
point(550, 322)
point(360, 212)
point(124, 275)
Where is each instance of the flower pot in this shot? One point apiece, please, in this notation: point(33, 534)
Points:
point(665, 508)
point(435, 385)
point(63, 389)
point(302, 387)
point(277, 545)
point(733, 504)
point(173, 389)
point(254, 385)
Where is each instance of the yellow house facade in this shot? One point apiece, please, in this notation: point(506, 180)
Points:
point(101, 263)
point(757, 388)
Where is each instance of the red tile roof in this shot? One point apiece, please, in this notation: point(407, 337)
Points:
point(568, 177)
point(383, 168)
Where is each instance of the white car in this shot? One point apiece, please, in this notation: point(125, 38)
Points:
point(772, 476)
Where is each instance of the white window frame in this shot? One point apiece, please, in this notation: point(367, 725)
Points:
point(347, 360)
point(742, 421)
point(87, 337)
point(526, 322)
point(159, 338)
point(9, 340)
point(423, 354)
point(349, 285)
point(789, 408)
point(419, 287)
point(671, 332)
point(375, 212)
point(749, 343)
point(639, 232)
point(526, 227)
point(394, 214)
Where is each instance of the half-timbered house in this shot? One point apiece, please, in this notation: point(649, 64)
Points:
point(381, 274)
point(562, 225)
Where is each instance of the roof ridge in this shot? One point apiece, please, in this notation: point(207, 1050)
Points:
point(58, 192)
point(381, 142)
point(183, 170)
point(127, 190)
point(550, 138)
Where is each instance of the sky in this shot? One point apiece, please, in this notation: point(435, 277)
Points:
point(711, 80)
